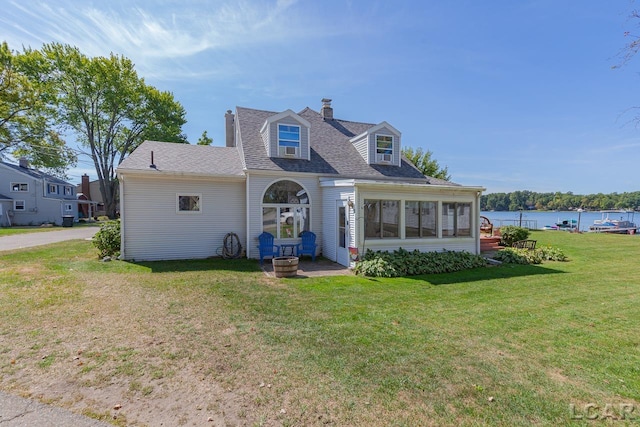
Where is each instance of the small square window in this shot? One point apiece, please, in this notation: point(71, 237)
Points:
point(19, 186)
point(68, 191)
point(19, 205)
point(188, 203)
point(53, 189)
point(68, 207)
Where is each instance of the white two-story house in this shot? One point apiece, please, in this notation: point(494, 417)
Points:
point(284, 173)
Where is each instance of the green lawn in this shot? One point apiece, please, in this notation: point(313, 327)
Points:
point(507, 345)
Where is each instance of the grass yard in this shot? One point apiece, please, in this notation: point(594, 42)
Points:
point(186, 343)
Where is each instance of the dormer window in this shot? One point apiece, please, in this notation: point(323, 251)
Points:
point(288, 140)
point(384, 148)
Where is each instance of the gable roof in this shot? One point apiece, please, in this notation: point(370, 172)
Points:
point(332, 153)
point(184, 159)
point(279, 116)
point(35, 173)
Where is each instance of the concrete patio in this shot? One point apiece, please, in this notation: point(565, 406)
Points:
point(308, 268)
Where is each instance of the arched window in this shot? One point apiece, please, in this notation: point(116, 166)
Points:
point(285, 210)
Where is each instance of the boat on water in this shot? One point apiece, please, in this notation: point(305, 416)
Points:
point(617, 226)
point(564, 225)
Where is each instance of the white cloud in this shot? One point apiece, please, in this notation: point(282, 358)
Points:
point(159, 35)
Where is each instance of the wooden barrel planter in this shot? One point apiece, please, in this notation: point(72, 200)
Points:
point(285, 266)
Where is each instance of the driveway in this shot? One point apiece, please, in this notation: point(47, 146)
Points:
point(27, 240)
point(19, 412)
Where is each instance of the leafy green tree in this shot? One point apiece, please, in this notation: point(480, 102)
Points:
point(204, 139)
point(27, 127)
point(423, 161)
point(109, 108)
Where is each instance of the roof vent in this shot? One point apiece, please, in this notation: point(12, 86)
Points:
point(152, 165)
point(23, 162)
point(326, 111)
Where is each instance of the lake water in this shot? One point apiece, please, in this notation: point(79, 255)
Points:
point(538, 219)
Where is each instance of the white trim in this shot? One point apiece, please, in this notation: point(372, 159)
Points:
point(381, 157)
point(284, 151)
point(185, 175)
point(24, 206)
point(189, 212)
point(376, 128)
point(277, 206)
point(332, 182)
point(280, 116)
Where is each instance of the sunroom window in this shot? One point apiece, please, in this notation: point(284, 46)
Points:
point(384, 148)
point(285, 210)
point(381, 218)
point(288, 140)
point(420, 219)
point(456, 219)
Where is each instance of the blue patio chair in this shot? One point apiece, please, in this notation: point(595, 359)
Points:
point(308, 245)
point(266, 246)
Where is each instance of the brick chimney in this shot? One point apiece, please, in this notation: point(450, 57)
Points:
point(23, 162)
point(86, 188)
point(230, 128)
point(326, 111)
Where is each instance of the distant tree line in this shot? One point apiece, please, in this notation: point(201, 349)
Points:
point(528, 200)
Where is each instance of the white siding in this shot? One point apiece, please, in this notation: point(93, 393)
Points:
point(257, 186)
point(362, 145)
point(153, 230)
point(396, 145)
point(330, 196)
point(273, 137)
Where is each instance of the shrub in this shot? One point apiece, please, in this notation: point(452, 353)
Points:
point(552, 254)
point(513, 233)
point(525, 256)
point(107, 239)
point(518, 256)
point(404, 263)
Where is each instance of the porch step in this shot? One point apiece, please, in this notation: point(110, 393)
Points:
point(490, 244)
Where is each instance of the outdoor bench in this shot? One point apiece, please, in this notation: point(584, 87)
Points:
point(524, 244)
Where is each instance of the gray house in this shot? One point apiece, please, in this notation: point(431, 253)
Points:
point(31, 197)
point(287, 172)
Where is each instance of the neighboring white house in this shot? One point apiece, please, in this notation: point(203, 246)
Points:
point(287, 172)
point(31, 197)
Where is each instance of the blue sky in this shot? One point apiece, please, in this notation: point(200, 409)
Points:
point(509, 95)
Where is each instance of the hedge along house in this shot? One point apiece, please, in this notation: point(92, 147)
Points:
point(287, 172)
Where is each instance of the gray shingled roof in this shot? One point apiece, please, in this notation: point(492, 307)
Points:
point(184, 159)
point(3, 197)
point(331, 151)
point(35, 173)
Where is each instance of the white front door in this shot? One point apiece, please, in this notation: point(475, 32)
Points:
point(342, 221)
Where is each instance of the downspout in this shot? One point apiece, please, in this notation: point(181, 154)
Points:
point(248, 219)
point(476, 228)
point(122, 215)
